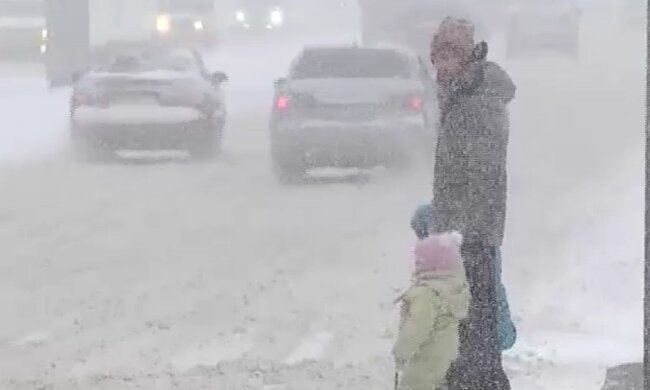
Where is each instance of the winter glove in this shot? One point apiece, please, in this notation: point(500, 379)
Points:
point(421, 220)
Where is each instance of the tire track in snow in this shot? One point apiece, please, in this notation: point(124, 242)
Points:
point(214, 352)
point(312, 347)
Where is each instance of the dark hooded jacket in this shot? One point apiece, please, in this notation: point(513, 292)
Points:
point(470, 180)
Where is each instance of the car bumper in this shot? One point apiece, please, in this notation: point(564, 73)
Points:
point(179, 129)
point(350, 145)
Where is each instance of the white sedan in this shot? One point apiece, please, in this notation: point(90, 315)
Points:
point(148, 100)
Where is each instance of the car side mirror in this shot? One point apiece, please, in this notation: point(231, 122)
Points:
point(281, 82)
point(218, 78)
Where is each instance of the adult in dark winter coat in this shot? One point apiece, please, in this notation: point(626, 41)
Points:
point(469, 189)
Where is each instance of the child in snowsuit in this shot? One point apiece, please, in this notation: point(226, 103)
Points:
point(431, 311)
point(420, 223)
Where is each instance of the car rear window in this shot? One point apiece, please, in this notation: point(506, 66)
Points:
point(352, 63)
point(143, 61)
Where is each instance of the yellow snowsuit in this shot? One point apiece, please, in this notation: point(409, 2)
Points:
point(428, 338)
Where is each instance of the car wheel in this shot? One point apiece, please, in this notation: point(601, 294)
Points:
point(424, 149)
point(288, 167)
point(402, 160)
point(86, 151)
point(207, 145)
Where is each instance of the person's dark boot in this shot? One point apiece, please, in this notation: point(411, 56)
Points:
point(479, 365)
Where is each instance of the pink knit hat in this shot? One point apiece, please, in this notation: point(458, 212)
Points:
point(438, 253)
point(455, 33)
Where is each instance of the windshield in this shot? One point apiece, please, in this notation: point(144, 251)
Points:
point(143, 61)
point(351, 63)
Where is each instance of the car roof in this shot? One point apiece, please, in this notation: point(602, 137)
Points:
point(401, 49)
point(410, 56)
point(113, 49)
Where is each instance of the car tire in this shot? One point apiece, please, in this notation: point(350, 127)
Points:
point(402, 161)
point(86, 151)
point(207, 144)
point(288, 168)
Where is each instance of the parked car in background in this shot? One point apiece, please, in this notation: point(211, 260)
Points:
point(189, 22)
point(256, 17)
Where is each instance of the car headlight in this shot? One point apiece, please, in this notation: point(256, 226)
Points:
point(44, 34)
point(163, 23)
point(198, 25)
point(240, 16)
point(277, 17)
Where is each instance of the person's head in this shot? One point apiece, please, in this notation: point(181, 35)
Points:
point(438, 253)
point(452, 47)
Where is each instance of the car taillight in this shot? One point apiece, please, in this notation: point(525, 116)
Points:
point(415, 103)
point(86, 97)
point(282, 102)
point(76, 100)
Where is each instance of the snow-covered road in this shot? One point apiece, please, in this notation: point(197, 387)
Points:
point(172, 275)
